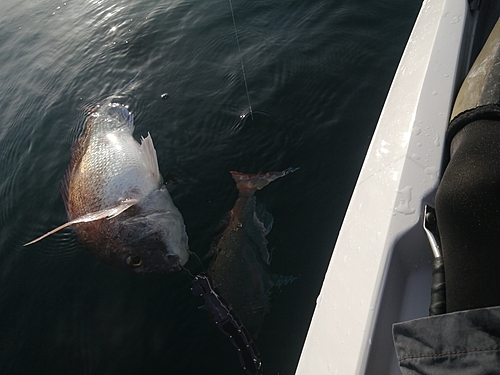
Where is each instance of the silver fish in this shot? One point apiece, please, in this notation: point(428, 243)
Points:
point(116, 200)
point(240, 264)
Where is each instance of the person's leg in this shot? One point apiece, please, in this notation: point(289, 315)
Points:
point(466, 339)
point(468, 214)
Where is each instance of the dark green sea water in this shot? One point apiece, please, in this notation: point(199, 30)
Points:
point(317, 74)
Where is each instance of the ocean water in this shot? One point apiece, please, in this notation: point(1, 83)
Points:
point(317, 74)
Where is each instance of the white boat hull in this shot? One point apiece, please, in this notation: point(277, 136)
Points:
point(380, 271)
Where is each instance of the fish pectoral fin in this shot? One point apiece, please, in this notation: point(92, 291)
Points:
point(150, 159)
point(282, 280)
point(113, 211)
point(92, 216)
point(49, 233)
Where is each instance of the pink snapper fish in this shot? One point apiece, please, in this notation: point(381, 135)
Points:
point(116, 200)
point(239, 268)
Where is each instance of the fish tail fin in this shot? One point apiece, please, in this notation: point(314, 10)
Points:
point(129, 83)
point(91, 107)
point(123, 89)
point(247, 184)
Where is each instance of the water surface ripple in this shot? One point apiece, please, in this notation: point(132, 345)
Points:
point(317, 72)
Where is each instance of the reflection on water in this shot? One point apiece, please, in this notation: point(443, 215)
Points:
point(317, 75)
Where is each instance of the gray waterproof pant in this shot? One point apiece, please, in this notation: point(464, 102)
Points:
point(460, 343)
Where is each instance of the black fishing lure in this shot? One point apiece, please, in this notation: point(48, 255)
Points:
point(229, 325)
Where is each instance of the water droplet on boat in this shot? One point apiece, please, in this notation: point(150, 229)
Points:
point(432, 171)
point(404, 196)
point(416, 130)
point(436, 141)
point(434, 93)
point(415, 157)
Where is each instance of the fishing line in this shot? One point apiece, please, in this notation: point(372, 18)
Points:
point(188, 272)
point(241, 58)
point(197, 257)
point(125, 87)
point(200, 264)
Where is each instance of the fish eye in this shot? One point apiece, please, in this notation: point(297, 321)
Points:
point(134, 261)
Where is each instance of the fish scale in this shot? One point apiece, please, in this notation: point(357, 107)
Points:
point(103, 161)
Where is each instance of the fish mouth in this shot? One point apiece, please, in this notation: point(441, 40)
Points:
point(157, 240)
point(174, 262)
point(166, 263)
point(171, 263)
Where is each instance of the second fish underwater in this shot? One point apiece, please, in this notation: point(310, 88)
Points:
point(239, 268)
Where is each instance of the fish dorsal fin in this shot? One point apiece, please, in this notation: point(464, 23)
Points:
point(92, 216)
point(149, 155)
point(264, 218)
